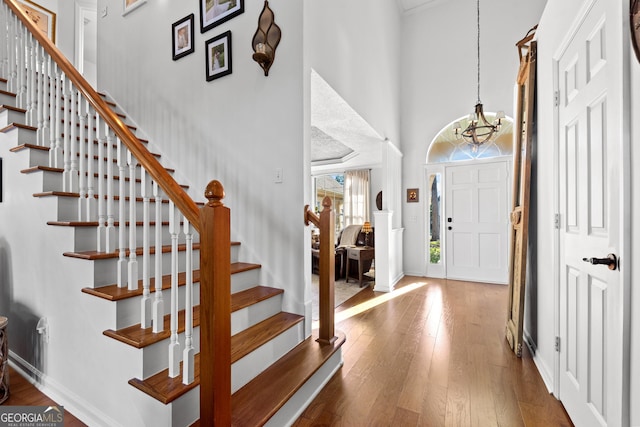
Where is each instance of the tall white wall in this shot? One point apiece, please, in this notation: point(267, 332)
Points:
point(635, 233)
point(354, 46)
point(238, 129)
point(439, 85)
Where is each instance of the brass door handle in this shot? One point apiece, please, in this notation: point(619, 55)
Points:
point(611, 261)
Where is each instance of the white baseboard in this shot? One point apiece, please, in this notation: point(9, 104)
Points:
point(71, 402)
point(543, 369)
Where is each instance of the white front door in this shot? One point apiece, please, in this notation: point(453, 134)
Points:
point(590, 115)
point(477, 222)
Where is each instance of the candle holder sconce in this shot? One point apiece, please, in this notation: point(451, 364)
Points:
point(266, 39)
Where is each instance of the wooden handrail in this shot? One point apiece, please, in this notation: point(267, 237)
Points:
point(326, 223)
point(171, 188)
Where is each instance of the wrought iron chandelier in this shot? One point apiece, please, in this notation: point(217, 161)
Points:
point(479, 129)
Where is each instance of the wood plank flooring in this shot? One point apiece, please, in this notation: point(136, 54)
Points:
point(23, 393)
point(432, 353)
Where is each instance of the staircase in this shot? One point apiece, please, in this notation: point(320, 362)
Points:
point(113, 349)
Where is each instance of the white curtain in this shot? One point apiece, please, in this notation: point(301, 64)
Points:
point(356, 197)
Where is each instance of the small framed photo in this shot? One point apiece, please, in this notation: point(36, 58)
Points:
point(412, 195)
point(215, 12)
point(182, 34)
point(218, 56)
point(131, 5)
point(44, 19)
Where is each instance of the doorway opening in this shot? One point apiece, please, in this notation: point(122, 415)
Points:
point(467, 220)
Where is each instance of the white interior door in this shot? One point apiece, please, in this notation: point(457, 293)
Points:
point(477, 222)
point(591, 305)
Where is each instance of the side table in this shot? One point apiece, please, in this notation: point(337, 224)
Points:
point(361, 255)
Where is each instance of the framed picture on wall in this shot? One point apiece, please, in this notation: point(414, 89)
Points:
point(182, 34)
point(130, 5)
point(215, 12)
point(412, 195)
point(43, 18)
point(218, 56)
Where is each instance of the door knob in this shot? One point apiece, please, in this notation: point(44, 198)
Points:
point(611, 261)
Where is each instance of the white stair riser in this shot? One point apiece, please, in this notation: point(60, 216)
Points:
point(105, 270)
point(128, 310)
point(254, 314)
point(32, 158)
point(23, 136)
point(155, 357)
point(247, 368)
point(7, 99)
point(68, 210)
point(86, 237)
point(10, 116)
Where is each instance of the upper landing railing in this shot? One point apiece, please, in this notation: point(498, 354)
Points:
point(118, 180)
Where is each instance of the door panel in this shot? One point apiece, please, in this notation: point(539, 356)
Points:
point(477, 236)
point(591, 384)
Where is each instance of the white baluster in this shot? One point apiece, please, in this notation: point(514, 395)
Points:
point(66, 133)
point(56, 142)
point(157, 317)
point(13, 60)
point(91, 214)
point(102, 213)
point(188, 356)
point(145, 308)
point(82, 160)
point(122, 228)
point(174, 346)
point(30, 79)
point(22, 67)
point(73, 143)
point(111, 230)
point(4, 51)
point(42, 89)
point(133, 262)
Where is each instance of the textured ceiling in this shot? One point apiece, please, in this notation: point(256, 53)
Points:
point(338, 133)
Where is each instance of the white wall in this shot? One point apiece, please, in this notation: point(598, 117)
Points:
point(439, 84)
point(237, 129)
point(635, 249)
point(353, 45)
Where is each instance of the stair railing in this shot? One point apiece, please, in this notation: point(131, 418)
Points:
point(73, 120)
point(326, 277)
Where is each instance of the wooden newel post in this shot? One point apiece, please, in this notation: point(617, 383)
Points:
point(215, 309)
point(326, 333)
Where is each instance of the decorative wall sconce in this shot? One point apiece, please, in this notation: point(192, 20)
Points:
point(266, 39)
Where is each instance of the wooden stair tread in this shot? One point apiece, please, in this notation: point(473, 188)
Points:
point(76, 195)
point(116, 293)
point(282, 378)
point(17, 125)
point(251, 338)
point(95, 255)
point(256, 402)
point(95, 223)
point(21, 147)
point(138, 337)
point(11, 107)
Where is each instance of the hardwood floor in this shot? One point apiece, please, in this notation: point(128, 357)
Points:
point(23, 393)
point(432, 353)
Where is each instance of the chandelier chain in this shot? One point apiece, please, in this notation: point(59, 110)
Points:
point(478, 38)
